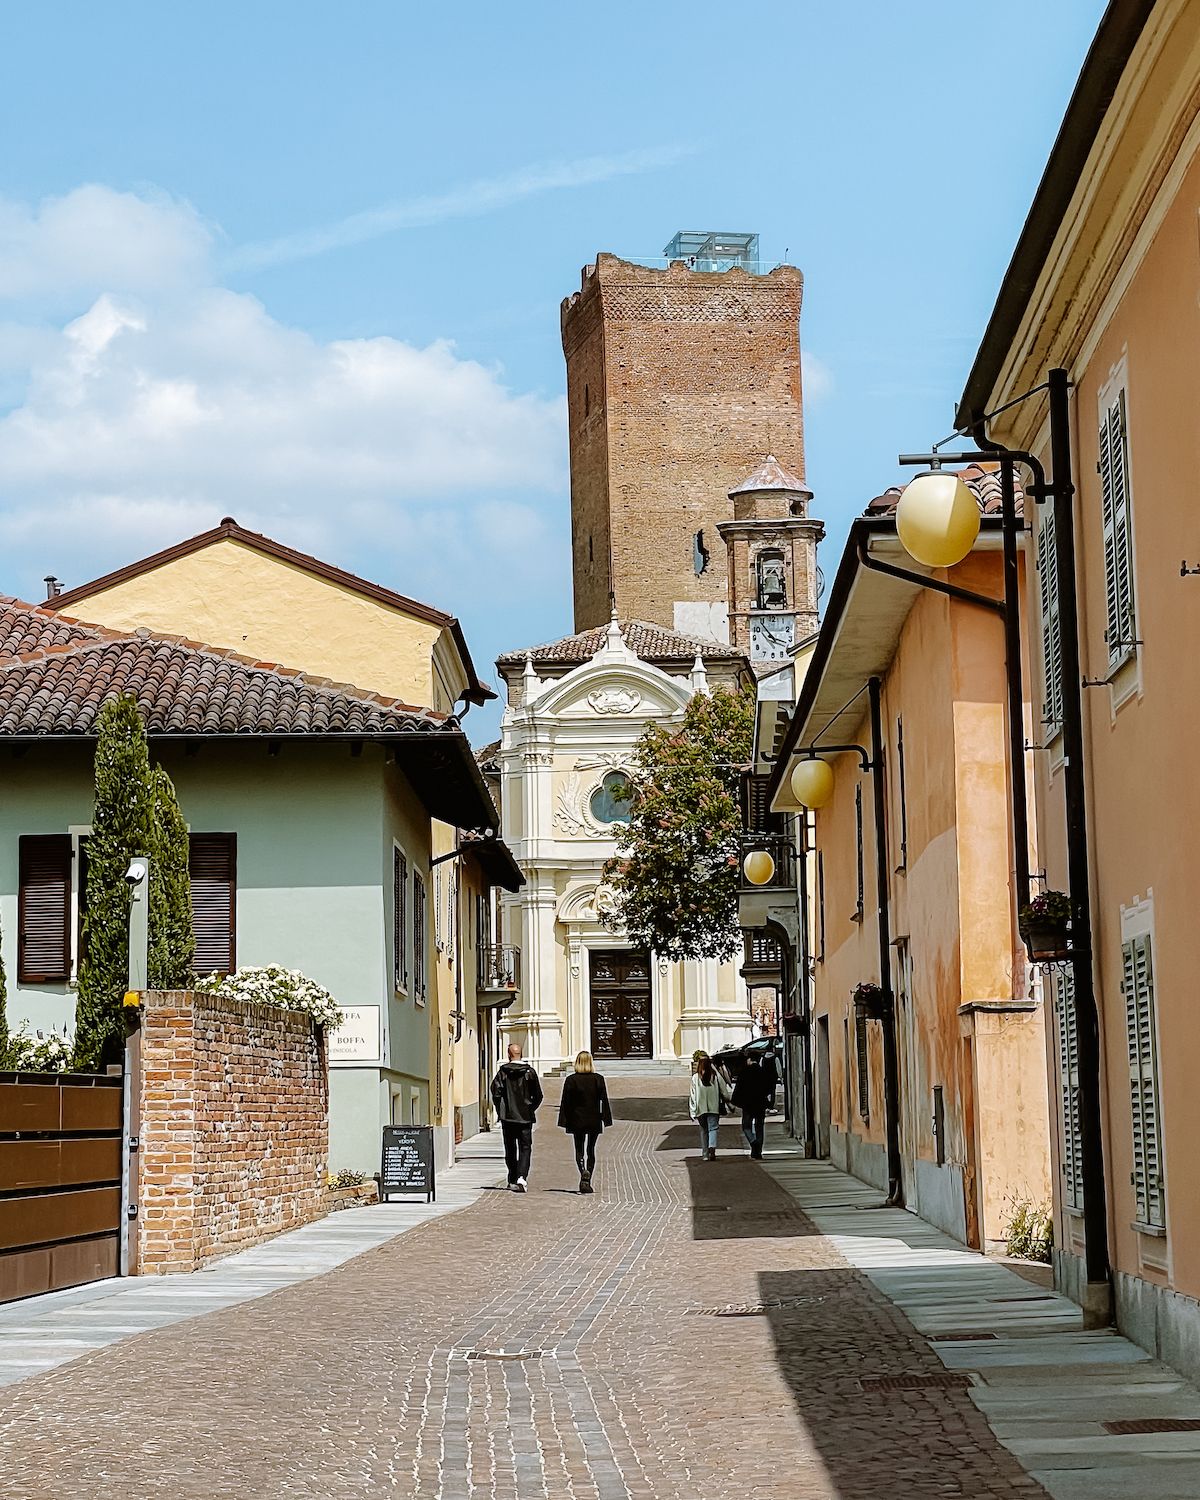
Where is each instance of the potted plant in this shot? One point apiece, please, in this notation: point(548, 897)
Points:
point(871, 999)
point(1045, 926)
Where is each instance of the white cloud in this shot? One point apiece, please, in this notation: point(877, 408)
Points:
point(170, 401)
point(470, 200)
point(94, 239)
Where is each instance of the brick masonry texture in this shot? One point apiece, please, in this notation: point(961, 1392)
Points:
point(679, 383)
point(545, 1347)
point(233, 1127)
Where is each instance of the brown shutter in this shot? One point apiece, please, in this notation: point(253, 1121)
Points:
point(212, 865)
point(44, 908)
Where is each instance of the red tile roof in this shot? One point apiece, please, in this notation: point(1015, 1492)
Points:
point(651, 642)
point(56, 673)
point(984, 482)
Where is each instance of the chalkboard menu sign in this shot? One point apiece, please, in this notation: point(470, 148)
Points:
point(407, 1161)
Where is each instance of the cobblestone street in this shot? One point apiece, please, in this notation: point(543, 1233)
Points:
point(683, 1333)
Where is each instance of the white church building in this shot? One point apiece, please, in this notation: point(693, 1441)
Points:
point(576, 708)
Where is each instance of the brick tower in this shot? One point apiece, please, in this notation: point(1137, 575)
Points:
point(679, 382)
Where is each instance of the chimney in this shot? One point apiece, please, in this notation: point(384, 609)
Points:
point(53, 587)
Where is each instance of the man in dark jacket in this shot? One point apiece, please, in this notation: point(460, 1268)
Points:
point(750, 1094)
point(516, 1093)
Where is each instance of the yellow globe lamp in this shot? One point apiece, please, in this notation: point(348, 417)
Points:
point(937, 519)
point(758, 867)
point(812, 783)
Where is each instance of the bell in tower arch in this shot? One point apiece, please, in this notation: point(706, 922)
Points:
point(772, 580)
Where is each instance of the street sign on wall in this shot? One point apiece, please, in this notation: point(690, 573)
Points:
point(407, 1165)
point(357, 1039)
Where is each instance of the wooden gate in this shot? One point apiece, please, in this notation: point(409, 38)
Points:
point(60, 1180)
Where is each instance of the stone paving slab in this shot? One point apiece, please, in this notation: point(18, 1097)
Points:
point(1044, 1382)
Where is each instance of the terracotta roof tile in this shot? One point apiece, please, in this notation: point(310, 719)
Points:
point(56, 673)
point(983, 481)
point(651, 642)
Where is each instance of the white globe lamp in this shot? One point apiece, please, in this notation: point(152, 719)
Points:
point(937, 519)
point(758, 867)
point(812, 783)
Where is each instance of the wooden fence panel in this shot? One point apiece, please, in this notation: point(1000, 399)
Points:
point(60, 1181)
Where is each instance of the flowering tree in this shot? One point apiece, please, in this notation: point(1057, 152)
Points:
point(674, 877)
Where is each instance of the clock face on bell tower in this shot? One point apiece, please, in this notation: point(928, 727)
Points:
point(772, 636)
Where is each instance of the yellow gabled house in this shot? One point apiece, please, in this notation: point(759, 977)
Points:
point(237, 589)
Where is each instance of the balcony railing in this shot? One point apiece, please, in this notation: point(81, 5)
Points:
point(500, 967)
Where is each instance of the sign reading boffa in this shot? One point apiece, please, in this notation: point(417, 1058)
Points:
point(407, 1161)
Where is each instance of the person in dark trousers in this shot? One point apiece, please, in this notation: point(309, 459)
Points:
point(751, 1093)
point(583, 1112)
point(516, 1093)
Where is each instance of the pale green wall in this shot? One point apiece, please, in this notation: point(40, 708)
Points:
point(314, 829)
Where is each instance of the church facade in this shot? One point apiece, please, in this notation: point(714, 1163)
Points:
point(576, 709)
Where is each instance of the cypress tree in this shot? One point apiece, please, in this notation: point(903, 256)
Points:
point(122, 826)
point(172, 940)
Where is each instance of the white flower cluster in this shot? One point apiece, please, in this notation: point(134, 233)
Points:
point(39, 1053)
point(274, 985)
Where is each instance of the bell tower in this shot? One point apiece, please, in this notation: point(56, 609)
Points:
point(771, 560)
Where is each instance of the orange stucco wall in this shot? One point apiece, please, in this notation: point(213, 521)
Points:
point(965, 1022)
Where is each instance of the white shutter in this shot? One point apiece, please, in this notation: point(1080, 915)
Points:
point(1068, 1085)
point(1052, 674)
point(1147, 1174)
point(1121, 631)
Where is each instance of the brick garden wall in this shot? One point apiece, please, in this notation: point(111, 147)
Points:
point(233, 1125)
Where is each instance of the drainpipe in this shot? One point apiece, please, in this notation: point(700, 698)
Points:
point(891, 1068)
point(804, 990)
point(1095, 1190)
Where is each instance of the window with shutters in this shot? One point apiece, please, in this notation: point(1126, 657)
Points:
point(44, 908)
point(757, 816)
point(1068, 1088)
point(820, 906)
point(902, 793)
point(1052, 678)
point(1144, 1098)
point(864, 1080)
point(1121, 629)
point(212, 867)
point(399, 919)
point(858, 837)
point(419, 920)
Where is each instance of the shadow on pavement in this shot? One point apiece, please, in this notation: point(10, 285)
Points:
point(638, 1107)
point(734, 1199)
point(832, 1330)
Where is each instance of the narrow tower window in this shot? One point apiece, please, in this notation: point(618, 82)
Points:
point(699, 553)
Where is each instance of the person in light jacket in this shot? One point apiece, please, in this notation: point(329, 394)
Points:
point(583, 1112)
point(704, 1103)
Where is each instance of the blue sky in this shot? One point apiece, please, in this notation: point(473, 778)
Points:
point(302, 263)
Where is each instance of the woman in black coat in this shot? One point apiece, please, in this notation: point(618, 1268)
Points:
point(583, 1112)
